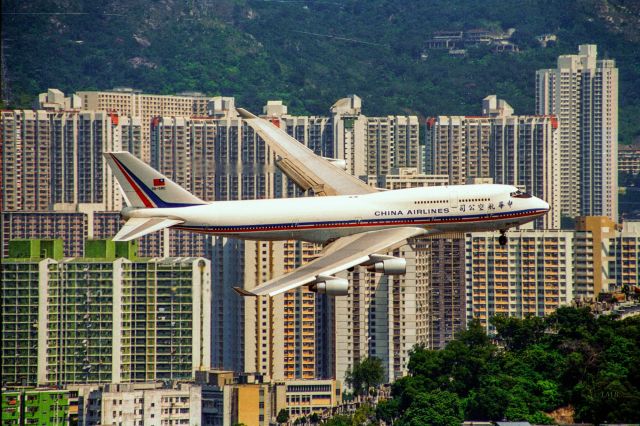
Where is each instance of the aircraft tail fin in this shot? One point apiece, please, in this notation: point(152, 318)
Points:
point(143, 186)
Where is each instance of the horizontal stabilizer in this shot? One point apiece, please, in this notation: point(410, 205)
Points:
point(140, 226)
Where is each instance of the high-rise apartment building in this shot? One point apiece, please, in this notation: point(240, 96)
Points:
point(383, 316)
point(446, 294)
point(392, 142)
point(130, 133)
point(406, 177)
point(458, 146)
point(531, 275)
point(83, 222)
point(95, 181)
point(440, 287)
point(26, 158)
point(582, 91)
point(350, 134)
point(629, 159)
point(592, 236)
point(37, 407)
point(55, 157)
point(539, 270)
point(521, 150)
point(133, 103)
point(624, 257)
point(71, 227)
point(107, 317)
point(606, 256)
point(369, 145)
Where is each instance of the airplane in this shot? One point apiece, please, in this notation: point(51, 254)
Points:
point(356, 223)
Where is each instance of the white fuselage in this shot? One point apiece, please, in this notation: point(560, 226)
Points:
point(461, 208)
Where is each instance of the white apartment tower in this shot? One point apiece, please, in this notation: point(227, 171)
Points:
point(142, 106)
point(55, 157)
point(583, 93)
point(521, 150)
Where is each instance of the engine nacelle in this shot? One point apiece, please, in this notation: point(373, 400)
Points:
point(331, 286)
point(388, 265)
point(338, 162)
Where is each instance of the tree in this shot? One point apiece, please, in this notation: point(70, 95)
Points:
point(570, 358)
point(388, 410)
point(436, 408)
point(314, 418)
point(362, 415)
point(365, 375)
point(339, 420)
point(516, 333)
point(283, 416)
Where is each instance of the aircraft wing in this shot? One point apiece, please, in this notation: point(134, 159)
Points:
point(342, 254)
point(302, 165)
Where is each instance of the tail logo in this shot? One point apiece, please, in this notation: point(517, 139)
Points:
point(158, 184)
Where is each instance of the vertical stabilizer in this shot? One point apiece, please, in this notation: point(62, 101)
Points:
point(143, 186)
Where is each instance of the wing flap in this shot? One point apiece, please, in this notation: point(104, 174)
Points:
point(342, 254)
point(137, 227)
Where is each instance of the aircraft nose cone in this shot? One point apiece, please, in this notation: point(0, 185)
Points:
point(544, 205)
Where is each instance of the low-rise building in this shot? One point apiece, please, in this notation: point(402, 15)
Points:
point(151, 404)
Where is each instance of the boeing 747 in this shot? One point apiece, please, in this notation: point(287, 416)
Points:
point(356, 223)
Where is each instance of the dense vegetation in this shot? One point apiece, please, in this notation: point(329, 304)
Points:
point(570, 361)
point(365, 376)
point(310, 53)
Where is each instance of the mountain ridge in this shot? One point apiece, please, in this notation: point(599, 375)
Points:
point(310, 53)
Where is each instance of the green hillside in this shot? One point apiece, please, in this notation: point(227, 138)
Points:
point(569, 363)
point(310, 53)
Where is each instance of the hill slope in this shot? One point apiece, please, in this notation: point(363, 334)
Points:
point(310, 53)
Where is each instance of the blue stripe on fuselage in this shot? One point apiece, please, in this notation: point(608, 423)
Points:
point(353, 223)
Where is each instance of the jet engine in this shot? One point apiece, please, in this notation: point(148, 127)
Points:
point(331, 286)
point(388, 265)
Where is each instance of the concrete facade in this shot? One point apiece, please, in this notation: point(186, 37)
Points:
point(582, 91)
point(107, 317)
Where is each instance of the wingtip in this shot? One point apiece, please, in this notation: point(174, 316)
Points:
point(244, 293)
point(244, 113)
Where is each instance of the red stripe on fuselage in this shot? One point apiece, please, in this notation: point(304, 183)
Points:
point(145, 200)
point(259, 228)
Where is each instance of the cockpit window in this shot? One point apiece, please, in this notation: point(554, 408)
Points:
point(520, 194)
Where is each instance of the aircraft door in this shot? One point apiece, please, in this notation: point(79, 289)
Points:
point(294, 228)
point(453, 201)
